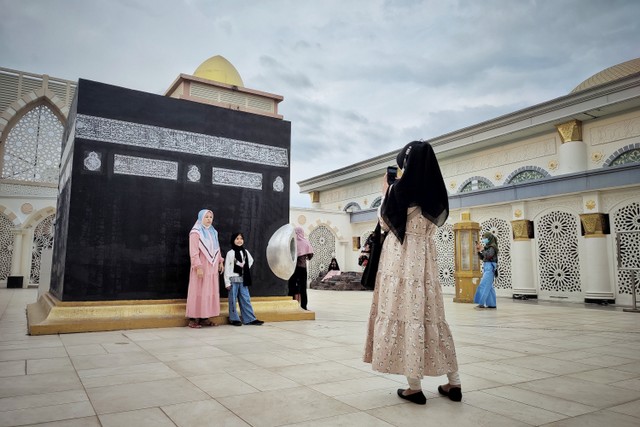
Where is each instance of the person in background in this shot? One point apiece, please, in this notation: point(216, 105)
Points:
point(237, 279)
point(298, 281)
point(407, 331)
point(487, 249)
point(333, 270)
point(203, 295)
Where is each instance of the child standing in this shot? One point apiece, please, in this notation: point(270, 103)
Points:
point(203, 296)
point(237, 279)
point(487, 249)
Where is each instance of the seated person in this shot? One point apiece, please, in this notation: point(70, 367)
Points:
point(334, 270)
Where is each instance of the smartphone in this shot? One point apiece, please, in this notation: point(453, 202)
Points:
point(392, 174)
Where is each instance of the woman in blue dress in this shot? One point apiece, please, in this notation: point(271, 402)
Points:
point(487, 249)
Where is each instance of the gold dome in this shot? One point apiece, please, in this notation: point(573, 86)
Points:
point(218, 69)
point(610, 74)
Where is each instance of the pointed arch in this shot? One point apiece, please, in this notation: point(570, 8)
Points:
point(30, 149)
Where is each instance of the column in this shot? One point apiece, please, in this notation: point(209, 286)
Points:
point(522, 265)
point(596, 282)
point(573, 151)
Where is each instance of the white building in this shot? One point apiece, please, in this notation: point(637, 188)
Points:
point(555, 182)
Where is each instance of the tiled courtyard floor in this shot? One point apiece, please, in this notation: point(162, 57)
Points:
point(527, 363)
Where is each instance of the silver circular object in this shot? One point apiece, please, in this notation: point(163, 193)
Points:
point(281, 252)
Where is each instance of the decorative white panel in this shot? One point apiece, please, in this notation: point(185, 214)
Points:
point(443, 240)
point(627, 218)
point(140, 166)
point(32, 149)
point(502, 230)
point(160, 138)
point(324, 247)
point(42, 239)
point(235, 178)
point(557, 237)
point(6, 246)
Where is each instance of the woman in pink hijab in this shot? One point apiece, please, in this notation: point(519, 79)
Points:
point(203, 296)
point(298, 282)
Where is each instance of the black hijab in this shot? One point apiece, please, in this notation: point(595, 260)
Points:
point(243, 272)
point(421, 185)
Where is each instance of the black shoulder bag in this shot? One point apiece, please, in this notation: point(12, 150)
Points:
point(375, 242)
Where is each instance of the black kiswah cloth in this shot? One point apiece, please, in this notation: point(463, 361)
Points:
point(421, 185)
point(243, 272)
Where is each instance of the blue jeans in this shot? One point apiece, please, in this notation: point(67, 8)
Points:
point(240, 294)
point(485, 294)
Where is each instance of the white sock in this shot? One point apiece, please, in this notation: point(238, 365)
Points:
point(454, 378)
point(414, 383)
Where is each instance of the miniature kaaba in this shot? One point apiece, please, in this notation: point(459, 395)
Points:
point(135, 170)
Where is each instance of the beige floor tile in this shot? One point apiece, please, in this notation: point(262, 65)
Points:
point(76, 422)
point(30, 354)
point(548, 403)
point(442, 412)
point(101, 377)
point(630, 408)
point(211, 365)
point(85, 349)
point(266, 360)
point(376, 398)
point(632, 384)
point(547, 364)
point(45, 399)
point(317, 373)
point(165, 345)
point(152, 417)
point(338, 353)
point(93, 338)
point(125, 346)
point(45, 414)
point(511, 409)
point(203, 413)
point(634, 367)
point(598, 419)
point(348, 420)
point(503, 373)
point(585, 392)
point(13, 368)
point(357, 385)
point(602, 376)
point(263, 379)
point(189, 353)
point(221, 385)
point(31, 343)
point(39, 383)
point(111, 360)
point(127, 397)
point(44, 366)
point(605, 361)
point(302, 404)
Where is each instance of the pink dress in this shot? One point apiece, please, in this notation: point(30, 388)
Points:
point(203, 296)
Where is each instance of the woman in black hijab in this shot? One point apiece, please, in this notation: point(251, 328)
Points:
point(407, 333)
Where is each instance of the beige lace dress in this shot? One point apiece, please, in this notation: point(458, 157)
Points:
point(407, 332)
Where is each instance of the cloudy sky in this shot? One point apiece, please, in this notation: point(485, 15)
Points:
point(359, 78)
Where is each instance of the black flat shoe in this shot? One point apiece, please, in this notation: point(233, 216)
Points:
point(418, 397)
point(454, 393)
point(256, 322)
point(236, 323)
